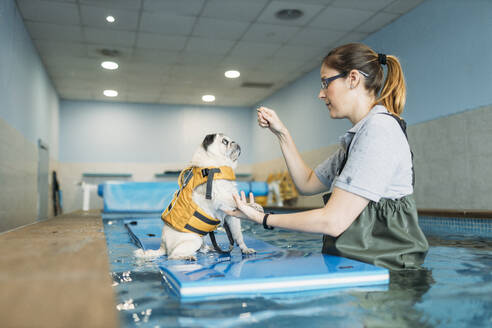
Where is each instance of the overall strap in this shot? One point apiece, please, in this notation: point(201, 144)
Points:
point(403, 126)
point(401, 123)
point(344, 161)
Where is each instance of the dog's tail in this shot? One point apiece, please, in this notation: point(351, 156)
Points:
point(149, 254)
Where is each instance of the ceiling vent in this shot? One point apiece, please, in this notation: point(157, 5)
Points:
point(289, 14)
point(109, 52)
point(260, 85)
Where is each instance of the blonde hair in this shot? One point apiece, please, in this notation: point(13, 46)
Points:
point(360, 57)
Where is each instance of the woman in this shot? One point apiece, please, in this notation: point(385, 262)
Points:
point(370, 215)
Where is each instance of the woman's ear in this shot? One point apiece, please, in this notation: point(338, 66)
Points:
point(353, 79)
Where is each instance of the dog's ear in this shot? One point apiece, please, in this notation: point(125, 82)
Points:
point(209, 139)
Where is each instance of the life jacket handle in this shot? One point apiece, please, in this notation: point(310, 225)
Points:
point(229, 235)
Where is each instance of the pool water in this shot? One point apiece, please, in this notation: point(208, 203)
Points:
point(453, 290)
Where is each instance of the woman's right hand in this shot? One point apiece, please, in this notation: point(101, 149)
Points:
point(267, 118)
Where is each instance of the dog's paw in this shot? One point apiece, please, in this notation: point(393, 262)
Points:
point(247, 250)
point(205, 248)
point(183, 257)
point(257, 207)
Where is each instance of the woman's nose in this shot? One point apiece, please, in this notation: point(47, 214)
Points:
point(321, 94)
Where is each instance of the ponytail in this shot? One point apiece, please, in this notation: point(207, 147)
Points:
point(393, 95)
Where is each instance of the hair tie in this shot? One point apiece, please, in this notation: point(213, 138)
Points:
point(382, 59)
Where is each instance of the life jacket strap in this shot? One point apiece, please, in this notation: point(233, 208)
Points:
point(209, 173)
point(229, 235)
point(201, 224)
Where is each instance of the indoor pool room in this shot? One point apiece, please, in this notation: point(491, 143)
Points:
point(245, 163)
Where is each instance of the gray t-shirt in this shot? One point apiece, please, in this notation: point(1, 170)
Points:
point(379, 164)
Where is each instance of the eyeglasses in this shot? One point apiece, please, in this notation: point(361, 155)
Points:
point(326, 82)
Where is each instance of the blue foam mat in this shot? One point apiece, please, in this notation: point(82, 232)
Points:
point(270, 270)
point(136, 197)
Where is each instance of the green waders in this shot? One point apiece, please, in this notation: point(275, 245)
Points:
point(386, 233)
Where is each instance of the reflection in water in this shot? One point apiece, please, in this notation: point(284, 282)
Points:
point(395, 308)
point(454, 240)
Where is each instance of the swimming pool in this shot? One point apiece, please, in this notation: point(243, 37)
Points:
point(454, 290)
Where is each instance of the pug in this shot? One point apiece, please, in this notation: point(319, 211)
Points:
point(216, 150)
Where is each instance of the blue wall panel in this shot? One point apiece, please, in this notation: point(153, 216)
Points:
point(445, 47)
point(143, 133)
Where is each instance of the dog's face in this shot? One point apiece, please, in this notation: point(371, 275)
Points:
point(216, 150)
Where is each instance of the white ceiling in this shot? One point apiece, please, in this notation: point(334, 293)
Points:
point(174, 51)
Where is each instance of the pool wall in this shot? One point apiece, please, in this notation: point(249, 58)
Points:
point(29, 110)
point(473, 227)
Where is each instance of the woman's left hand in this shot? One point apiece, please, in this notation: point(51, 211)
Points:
point(246, 210)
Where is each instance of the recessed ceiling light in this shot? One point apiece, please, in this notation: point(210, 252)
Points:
point(208, 98)
point(110, 19)
point(232, 74)
point(109, 65)
point(110, 93)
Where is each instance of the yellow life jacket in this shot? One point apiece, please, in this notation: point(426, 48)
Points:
point(183, 214)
